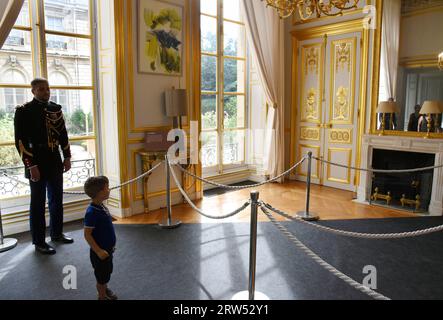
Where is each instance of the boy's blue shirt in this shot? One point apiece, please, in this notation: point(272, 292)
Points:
point(99, 218)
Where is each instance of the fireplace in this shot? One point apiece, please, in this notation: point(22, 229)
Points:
point(402, 152)
point(411, 190)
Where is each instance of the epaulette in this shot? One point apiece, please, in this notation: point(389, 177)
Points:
point(53, 104)
point(22, 106)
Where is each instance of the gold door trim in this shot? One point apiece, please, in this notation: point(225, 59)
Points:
point(328, 167)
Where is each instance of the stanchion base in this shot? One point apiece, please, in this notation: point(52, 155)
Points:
point(308, 216)
point(244, 295)
point(173, 224)
point(8, 243)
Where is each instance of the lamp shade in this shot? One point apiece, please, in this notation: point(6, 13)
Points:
point(176, 102)
point(387, 107)
point(431, 107)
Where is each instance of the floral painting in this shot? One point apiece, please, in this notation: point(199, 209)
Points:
point(160, 37)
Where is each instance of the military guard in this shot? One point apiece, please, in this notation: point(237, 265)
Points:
point(40, 133)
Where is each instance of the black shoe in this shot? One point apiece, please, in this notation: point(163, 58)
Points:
point(45, 249)
point(62, 239)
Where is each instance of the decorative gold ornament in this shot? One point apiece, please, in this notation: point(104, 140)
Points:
point(343, 51)
point(341, 104)
point(312, 60)
point(310, 134)
point(311, 104)
point(376, 195)
point(307, 8)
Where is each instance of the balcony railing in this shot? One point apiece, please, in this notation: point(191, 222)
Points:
point(209, 154)
point(14, 184)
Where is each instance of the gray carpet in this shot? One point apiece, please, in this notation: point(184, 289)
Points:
point(210, 261)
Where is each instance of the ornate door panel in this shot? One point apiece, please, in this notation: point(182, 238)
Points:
point(341, 122)
point(311, 79)
point(328, 107)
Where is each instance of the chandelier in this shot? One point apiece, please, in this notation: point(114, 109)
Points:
point(307, 8)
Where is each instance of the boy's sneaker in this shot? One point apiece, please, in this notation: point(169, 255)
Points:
point(111, 295)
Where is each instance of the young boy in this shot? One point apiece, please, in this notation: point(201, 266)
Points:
point(100, 234)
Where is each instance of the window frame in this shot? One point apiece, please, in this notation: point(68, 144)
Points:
point(220, 168)
point(37, 30)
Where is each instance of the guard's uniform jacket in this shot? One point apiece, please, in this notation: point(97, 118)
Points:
point(39, 131)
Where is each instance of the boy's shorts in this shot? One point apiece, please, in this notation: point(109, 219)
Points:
point(102, 268)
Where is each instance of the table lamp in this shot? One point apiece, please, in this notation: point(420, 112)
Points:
point(429, 108)
point(386, 107)
point(176, 102)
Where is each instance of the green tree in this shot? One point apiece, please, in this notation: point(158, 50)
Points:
point(76, 123)
point(8, 154)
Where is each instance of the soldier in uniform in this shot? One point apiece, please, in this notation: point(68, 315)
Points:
point(40, 132)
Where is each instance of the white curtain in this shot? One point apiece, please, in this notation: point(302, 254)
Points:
point(9, 11)
point(390, 42)
point(265, 32)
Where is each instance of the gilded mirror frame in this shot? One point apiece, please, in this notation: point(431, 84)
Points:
point(376, 81)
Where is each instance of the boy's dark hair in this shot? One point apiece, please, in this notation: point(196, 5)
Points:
point(94, 185)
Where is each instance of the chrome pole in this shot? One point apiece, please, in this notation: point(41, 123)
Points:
point(306, 215)
point(5, 243)
point(251, 294)
point(168, 223)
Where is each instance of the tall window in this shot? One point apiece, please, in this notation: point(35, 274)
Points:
point(223, 82)
point(59, 49)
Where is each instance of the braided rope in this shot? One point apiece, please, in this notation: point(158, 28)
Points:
point(185, 195)
point(359, 234)
point(245, 186)
point(373, 294)
point(379, 170)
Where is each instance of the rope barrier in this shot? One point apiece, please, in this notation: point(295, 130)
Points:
point(185, 195)
point(246, 186)
point(373, 294)
point(379, 170)
point(358, 234)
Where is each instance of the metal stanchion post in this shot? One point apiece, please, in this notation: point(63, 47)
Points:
point(306, 215)
point(251, 294)
point(168, 223)
point(5, 243)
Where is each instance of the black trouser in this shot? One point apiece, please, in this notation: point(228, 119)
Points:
point(102, 268)
point(54, 185)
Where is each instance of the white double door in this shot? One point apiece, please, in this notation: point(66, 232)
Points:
point(328, 101)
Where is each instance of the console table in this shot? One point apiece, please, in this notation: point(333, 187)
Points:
point(148, 158)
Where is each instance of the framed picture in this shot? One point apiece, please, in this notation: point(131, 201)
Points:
point(160, 37)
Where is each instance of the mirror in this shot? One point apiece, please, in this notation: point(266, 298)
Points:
point(411, 40)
